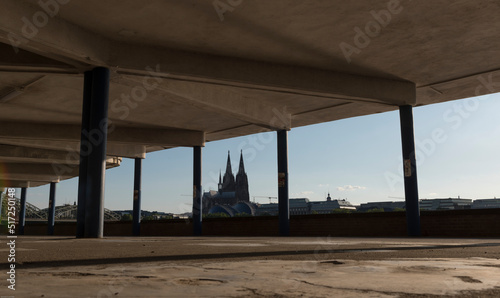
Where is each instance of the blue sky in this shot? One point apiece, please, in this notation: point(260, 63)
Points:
point(357, 159)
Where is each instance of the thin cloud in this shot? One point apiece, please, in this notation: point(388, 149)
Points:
point(303, 193)
point(323, 185)
point(350, 188)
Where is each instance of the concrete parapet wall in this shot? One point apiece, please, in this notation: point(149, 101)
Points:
point(461, 223)
point(241, 226)
point(383, 224)
point(60, 228)
point(118, 228)
point(454, 223)
point(167, 227)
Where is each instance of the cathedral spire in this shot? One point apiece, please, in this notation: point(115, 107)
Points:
point(228, 181)
point(229, 170)
point(241, 170)
point(242, 194)
point(219, 186)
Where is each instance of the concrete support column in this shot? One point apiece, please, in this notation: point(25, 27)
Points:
point(22, 212)
point(197, 192)
point(94, 205)
point(410, 171)
point(283, 199)
point(136, 214)
point(85, 149)
point(52, 209)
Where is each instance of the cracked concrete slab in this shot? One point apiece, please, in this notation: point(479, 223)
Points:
point(266, 267)
point(267, 278)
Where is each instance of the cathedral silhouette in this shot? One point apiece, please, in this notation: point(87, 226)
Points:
point(230, 191)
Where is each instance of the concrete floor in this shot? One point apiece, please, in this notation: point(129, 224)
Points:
point(254, 267)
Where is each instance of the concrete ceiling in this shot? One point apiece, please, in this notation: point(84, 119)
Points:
point(186, 72)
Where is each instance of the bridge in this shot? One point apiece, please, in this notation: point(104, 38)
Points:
point(62, 212)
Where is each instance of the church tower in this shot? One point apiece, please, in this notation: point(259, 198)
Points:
point(228, 183)
point(220, 181)
point(231, 190)
point(242, 194)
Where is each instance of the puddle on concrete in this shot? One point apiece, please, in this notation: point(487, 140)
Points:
point(332, 262)
point(469, 279)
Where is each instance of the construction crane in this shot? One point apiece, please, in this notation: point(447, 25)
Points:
point(270, 198)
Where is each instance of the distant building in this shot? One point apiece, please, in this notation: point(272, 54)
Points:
point(156, 214)
point(224, 209)
point(245, 208)
point(145, 213)
point(426, 204)
point(486, 204)
point(322, 207)
point(300, 206)
point(241, 208)
point(230, 191)
point(445, 204)
point(123, 212)
point(387, 206)
point(296, 206)
point(267, 209)
point(184, 215)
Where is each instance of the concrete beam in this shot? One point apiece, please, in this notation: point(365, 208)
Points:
point(234, 132)
point(35, 155)
point(218, 99)
point(21, 183)
point(40, 170)
point(62, 41)
point(123, 135)
point(46, 172)
point(41, 69)
point(18, 184)
point(33, 177)
point(196, 67)
point(72, 147)
point(69, 146)
point(38, 131)
point(157, 136)
point(128, 151)
point(52, 37)
point(339, 111)
point(23, 61)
